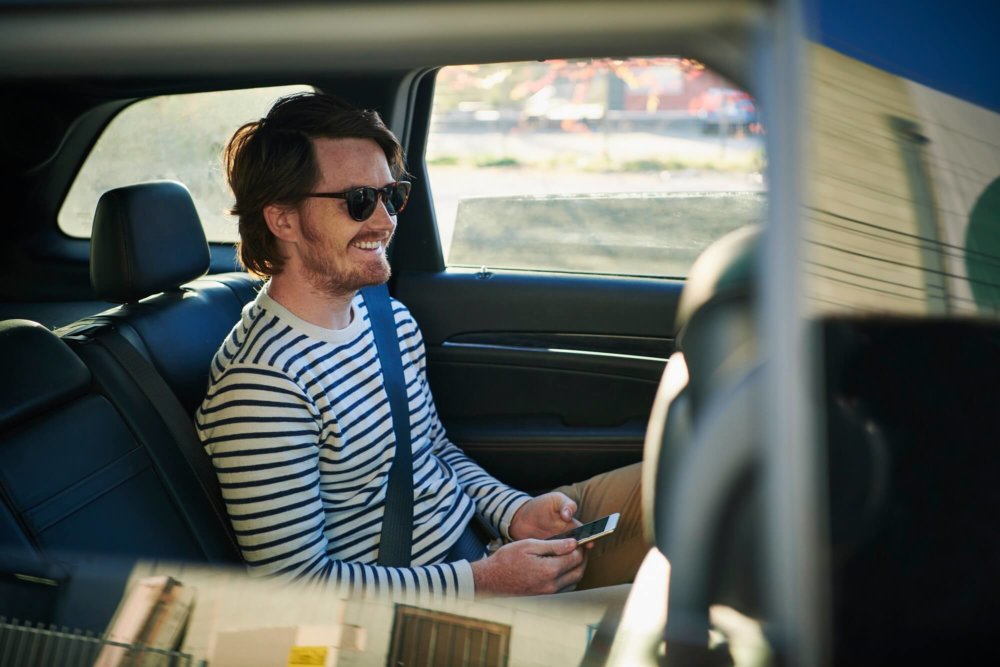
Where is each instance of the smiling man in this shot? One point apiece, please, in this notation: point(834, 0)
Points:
point(297, 420)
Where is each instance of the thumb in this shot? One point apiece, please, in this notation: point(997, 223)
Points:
point(568, 509)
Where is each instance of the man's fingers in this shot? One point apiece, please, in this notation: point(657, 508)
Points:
point(569, 562)
point(571, 577)
point(551, 547)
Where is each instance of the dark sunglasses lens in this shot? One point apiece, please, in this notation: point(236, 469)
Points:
point(396, 197)
point(361, 203)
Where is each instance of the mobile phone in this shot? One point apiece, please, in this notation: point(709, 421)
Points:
point(589, 532)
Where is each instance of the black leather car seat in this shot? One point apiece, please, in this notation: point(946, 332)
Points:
point(98, 452)
point(80, 473)
point(151, 354)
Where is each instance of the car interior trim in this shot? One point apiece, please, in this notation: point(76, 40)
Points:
point(535, 350)
point(639, 347)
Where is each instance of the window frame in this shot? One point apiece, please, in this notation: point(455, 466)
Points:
point(419, 246)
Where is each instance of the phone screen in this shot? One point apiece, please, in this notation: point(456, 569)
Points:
point(591, 531)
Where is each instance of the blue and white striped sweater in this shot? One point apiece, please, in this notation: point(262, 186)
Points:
point(297, 425)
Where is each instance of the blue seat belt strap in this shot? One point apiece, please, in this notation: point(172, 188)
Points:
point(397, 523)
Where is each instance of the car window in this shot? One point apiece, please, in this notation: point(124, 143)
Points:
point(627, 167)
point(175, 137)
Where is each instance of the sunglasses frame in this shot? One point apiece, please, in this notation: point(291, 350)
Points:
point(381, 195)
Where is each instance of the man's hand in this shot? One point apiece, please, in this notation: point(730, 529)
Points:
point(530, 567)
point(544, 516)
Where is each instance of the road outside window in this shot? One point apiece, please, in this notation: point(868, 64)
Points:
point(628, 167)
point(174, 137)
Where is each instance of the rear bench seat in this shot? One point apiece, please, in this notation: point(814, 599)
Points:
point(98, 451)
point(86, 467)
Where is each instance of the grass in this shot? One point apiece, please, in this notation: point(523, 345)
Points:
point(648, 164)
point(754, 162)
point(444, 161)
point(498, 162)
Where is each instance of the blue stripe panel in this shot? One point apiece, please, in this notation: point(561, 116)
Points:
point(949, 46)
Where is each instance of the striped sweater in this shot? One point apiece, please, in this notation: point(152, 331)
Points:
point(297, 425)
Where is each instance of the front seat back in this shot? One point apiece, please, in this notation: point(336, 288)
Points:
point(700, 488)
point(702, 491)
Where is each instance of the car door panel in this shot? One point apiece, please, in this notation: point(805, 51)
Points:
point(545, 379)
point(558, 454)
point(455, 302)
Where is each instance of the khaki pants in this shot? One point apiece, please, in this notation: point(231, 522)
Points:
point(614, 559)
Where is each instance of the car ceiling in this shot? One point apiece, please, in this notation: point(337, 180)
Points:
point(194, 41)
point(59, 58)
point(68, 67)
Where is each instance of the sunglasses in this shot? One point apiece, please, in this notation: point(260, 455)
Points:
point(361, 202)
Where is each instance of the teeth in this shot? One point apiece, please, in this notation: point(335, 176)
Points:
point(368, 245)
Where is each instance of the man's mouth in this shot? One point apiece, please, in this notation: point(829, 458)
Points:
point(367, 245)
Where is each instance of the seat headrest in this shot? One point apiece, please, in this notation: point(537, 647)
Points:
point(38, 369)
point(725, 269)
point(147, 239)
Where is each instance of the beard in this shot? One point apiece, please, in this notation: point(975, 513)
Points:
point(338, 279)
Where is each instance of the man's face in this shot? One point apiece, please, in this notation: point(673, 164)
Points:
point(341, 255)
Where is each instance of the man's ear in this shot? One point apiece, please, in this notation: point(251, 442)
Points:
point(283, 221)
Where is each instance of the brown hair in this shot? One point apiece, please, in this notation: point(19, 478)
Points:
point(271, 161)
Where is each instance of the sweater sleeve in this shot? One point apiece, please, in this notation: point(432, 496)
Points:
point(495, 501)
point(261, 431)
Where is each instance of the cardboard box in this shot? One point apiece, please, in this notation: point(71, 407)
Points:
point(294, 646)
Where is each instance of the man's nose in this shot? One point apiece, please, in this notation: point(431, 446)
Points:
point(380, 218)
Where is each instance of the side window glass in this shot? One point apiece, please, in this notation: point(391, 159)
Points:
point(175, 137)
point(626, 167)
